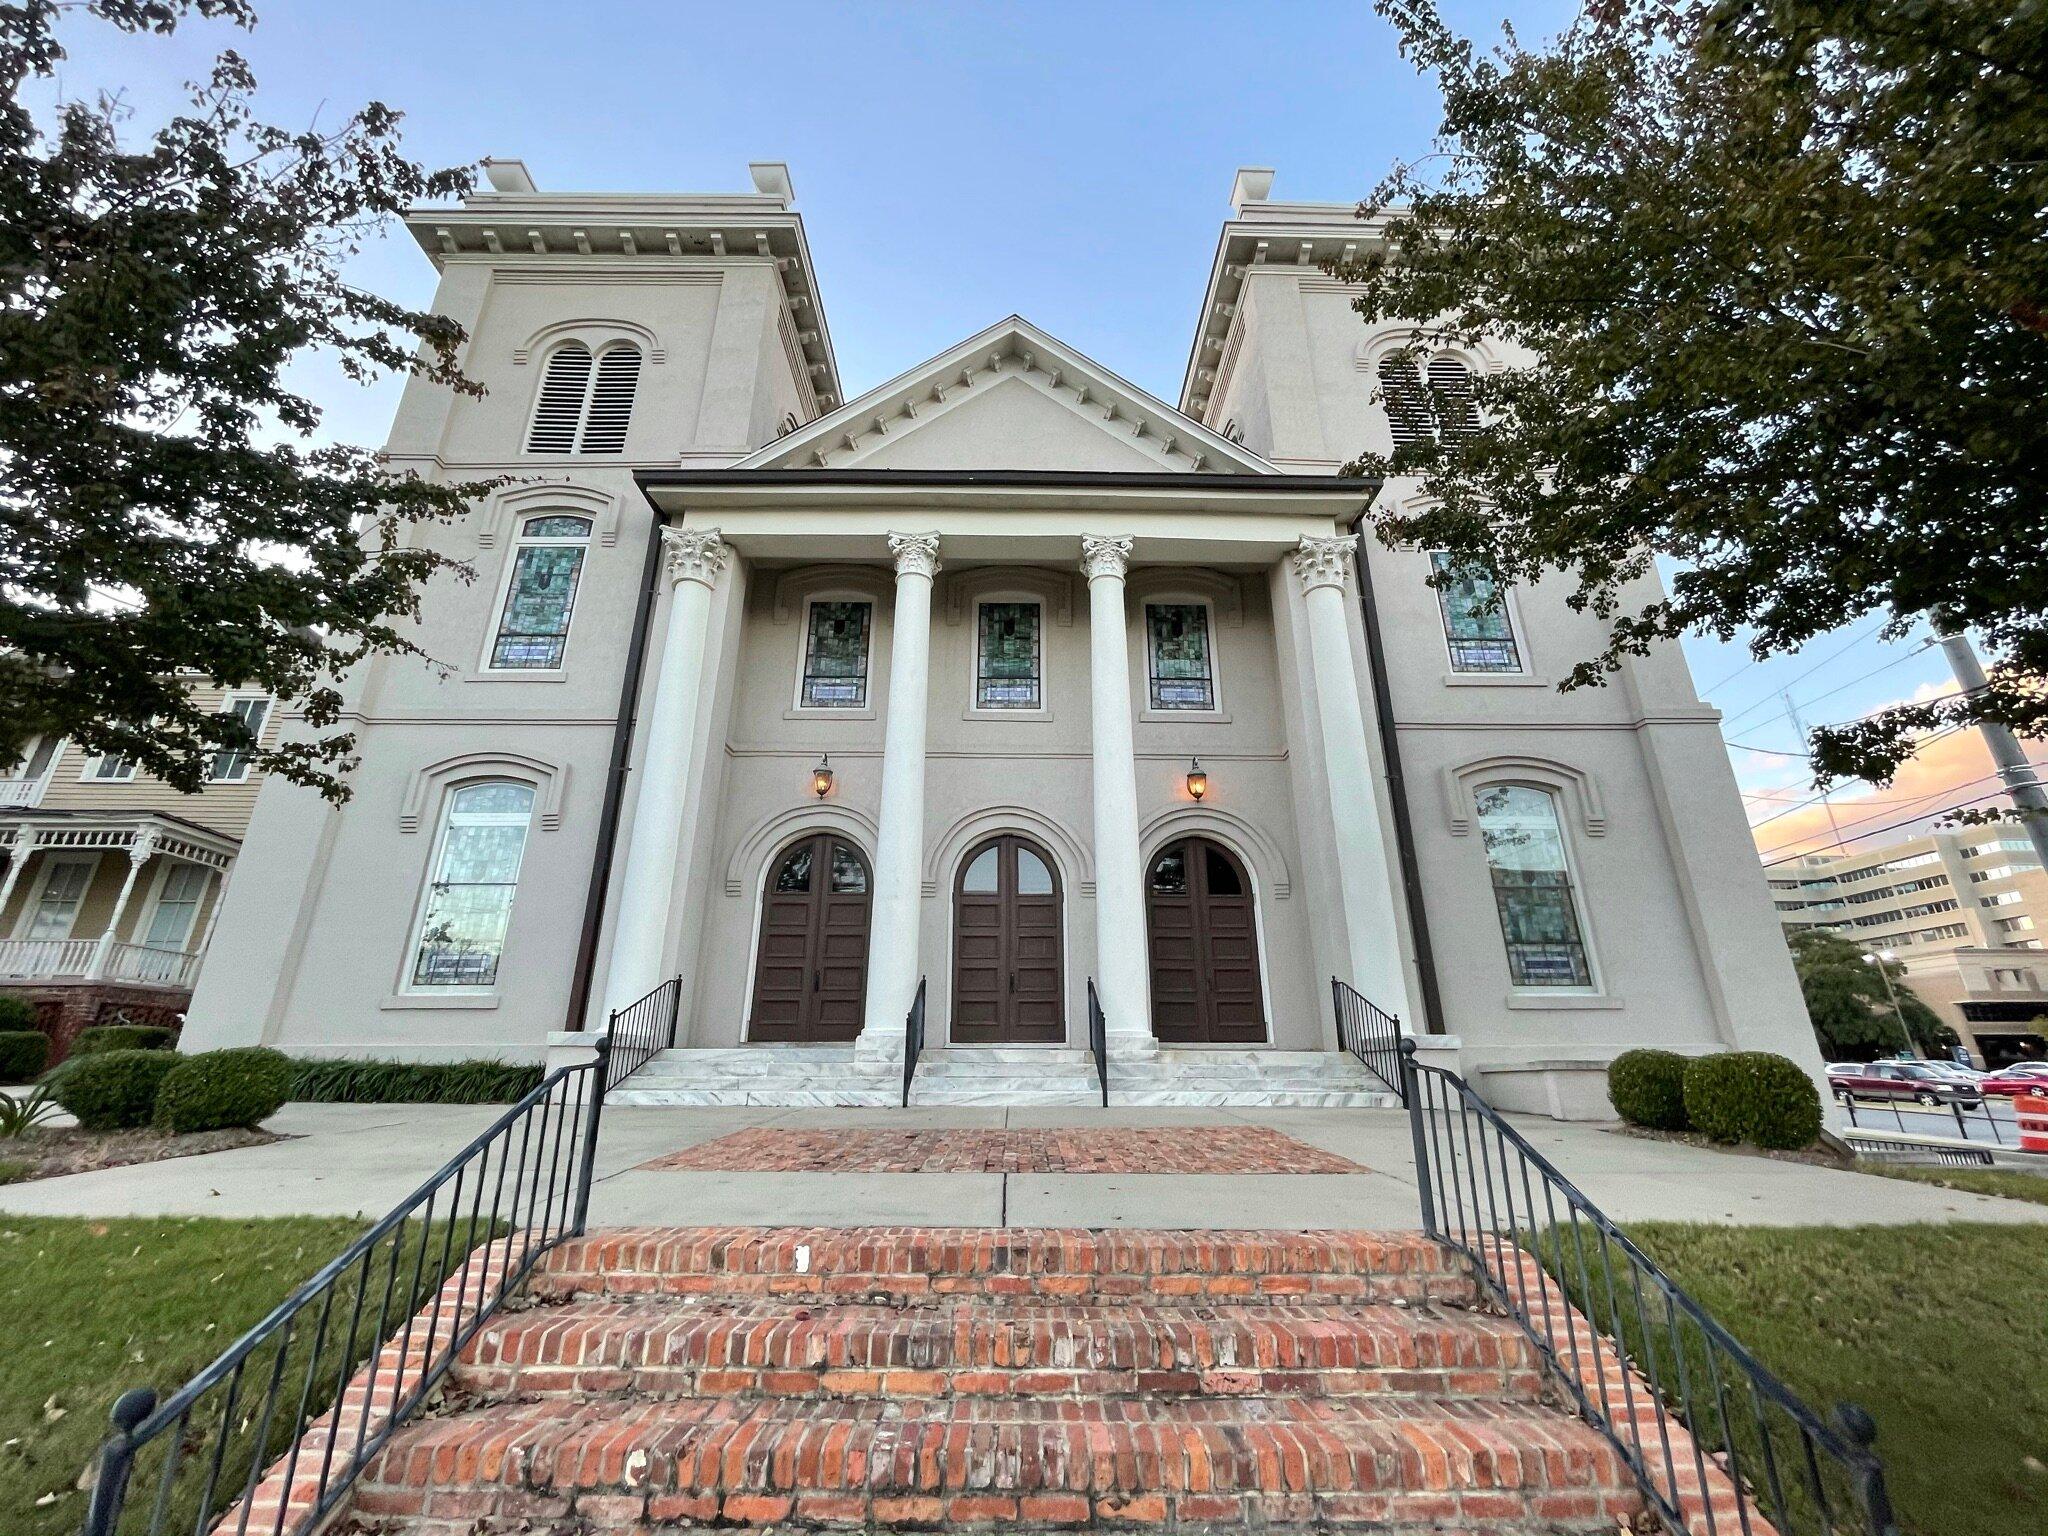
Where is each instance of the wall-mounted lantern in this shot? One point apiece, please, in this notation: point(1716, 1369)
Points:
point(1198, 778)
point(822, 776)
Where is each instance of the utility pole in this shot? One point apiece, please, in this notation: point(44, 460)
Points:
point(1882, 959)
point(2019, 775)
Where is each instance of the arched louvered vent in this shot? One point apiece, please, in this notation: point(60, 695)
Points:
point(1407, 403)
point(611, 400)
point(1450, 388)
point(559, 411)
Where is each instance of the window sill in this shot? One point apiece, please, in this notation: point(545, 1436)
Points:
point(520, 675)
point(800, 713)
point(1494, 680)
point(414, 1000)
point(1534, 999)
point(1020, 715)
point(1184, 716)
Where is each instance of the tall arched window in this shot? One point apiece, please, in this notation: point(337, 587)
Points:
point(468, 903)
point(1438, 410)
point(540, 593)
point(585, 404)
point(1532, 886)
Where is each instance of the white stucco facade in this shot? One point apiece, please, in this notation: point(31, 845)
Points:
point(659, 767)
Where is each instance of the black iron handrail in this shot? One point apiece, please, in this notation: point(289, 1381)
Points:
point(237, 1444)
point(1716, 1442)
point(643, 1030)
point(1371, 1034)
point(1098, 1040)
point(913, 1039)
point(1979, 1123)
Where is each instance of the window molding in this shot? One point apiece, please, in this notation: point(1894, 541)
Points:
point(748, 866)
point(1217, 712)
point(507, 510)
point(227, 704)
point(1173, 583)
point(1591, 993)
point(88, 771)
point(432, 781)
point(964, 591)
point(140, 933)
point(1577, 789)
point(494, 628)
point(865, 710)
point(1523, 675)
point(595, 334)
point(25, 922)
point(411, 992)
point(793, 590)
point(1261, 856)
point(974, 708)
point(1076, 868)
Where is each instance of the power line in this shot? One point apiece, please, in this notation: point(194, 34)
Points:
point(1835, 655)
point(1906, 822)
point(1934, 794)
point(1865, 677)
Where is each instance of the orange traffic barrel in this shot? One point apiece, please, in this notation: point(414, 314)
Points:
point(2032, 1110)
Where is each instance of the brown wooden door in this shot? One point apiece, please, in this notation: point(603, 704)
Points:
point(810, 978)
point(1204, 947)
point(1009, 982)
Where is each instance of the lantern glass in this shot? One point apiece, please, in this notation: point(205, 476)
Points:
point(1198, 779)
point(821, 779)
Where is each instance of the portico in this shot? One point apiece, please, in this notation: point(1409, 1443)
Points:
point(1007, 837)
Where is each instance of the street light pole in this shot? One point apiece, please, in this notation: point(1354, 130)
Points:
point(1881, 959)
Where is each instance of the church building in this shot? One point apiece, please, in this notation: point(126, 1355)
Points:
point(1004, 710)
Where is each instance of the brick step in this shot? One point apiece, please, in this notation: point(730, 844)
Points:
point(1044, 1264)
point(1259, 1463)
point(961, 1348)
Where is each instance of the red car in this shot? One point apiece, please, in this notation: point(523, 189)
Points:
point(2020, 1077)
point(1900, 1080)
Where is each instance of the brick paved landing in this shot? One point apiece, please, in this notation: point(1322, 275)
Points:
point(1236, 1149)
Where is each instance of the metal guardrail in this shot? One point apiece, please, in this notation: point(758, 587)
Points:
point(913, 1039)
point(1550, 1257)
point(1098, 1041)
point(235, 1449)
point(1370, 1034)
point(643, 1030)
point(1981, 1123)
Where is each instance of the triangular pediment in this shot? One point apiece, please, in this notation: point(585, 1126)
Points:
point(1011, 397)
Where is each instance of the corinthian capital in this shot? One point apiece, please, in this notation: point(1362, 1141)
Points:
point(1323, 562)
point(694, 554)
point(1102, 556)
point(917, 554)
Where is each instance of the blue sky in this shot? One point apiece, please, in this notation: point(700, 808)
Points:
point(955, 163)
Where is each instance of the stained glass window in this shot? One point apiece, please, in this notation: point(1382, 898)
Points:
point(534, 629)
point(476, 872)
point(1177, 641)
point(1532, 887)
point(1476, 621)
point(1007, 670)
point(836, 656)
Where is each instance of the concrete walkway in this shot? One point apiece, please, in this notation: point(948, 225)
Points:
point(362, 1159)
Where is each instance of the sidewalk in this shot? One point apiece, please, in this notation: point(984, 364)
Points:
point(351, 1159)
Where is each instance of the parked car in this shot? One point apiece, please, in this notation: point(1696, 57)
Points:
point(2020, 1077)
point(1914, 1080)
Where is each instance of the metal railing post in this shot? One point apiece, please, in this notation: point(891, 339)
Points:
point(1418, 1137)
point(599, 1072)
point(117, 1461)
point(1860, 1430)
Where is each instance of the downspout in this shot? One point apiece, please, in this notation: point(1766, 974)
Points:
point(615, 780)
point(1397, 790)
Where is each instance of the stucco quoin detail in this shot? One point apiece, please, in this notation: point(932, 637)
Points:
point(1323, 562)
point(1578, 787)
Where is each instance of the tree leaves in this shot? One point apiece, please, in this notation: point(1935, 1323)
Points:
point(1784, 265)
point(154, 529)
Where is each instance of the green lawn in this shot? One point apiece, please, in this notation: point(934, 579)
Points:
point(1941, 1332)
point(96, 1307)
point(2012, 1183)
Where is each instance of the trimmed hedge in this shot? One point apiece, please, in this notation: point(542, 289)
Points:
point(1648, 1089)
point(410, 1082)
point(235, 1089)
point(17, 1014)
point(1754, 1097)
point(123, 1037)
point(23, 1055)
point(113, 1090)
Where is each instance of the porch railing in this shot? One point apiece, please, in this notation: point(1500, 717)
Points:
point(273, 1433)
point(150, 962)
point(913, 1039)
point(47, 957)
point(1717, 1443)
point(1370, 1034)
point(1098, 1040)
point(640, 1031)
point(82, 959)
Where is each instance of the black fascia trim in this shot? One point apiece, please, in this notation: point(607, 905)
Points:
point(1304, 485)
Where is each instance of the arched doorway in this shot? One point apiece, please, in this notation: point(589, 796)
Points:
point(1009, 978)
point(811, 972)
point(1204, 943)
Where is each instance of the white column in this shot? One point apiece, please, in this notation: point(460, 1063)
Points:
point(1122, 968)
point(17, 860)
point(140, 847)
point(695, 558)
point(1364, 872)
point(899, 837)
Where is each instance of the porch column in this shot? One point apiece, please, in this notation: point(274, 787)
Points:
point(140, 847)
point(1364, 872)
point(899, 837)
point(17, 859)
point(1122, 968)
point(694, 559)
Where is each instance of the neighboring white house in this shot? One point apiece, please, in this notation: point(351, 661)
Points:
point(1008, 600)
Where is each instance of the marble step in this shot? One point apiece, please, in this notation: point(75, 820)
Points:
point(758, 1076)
